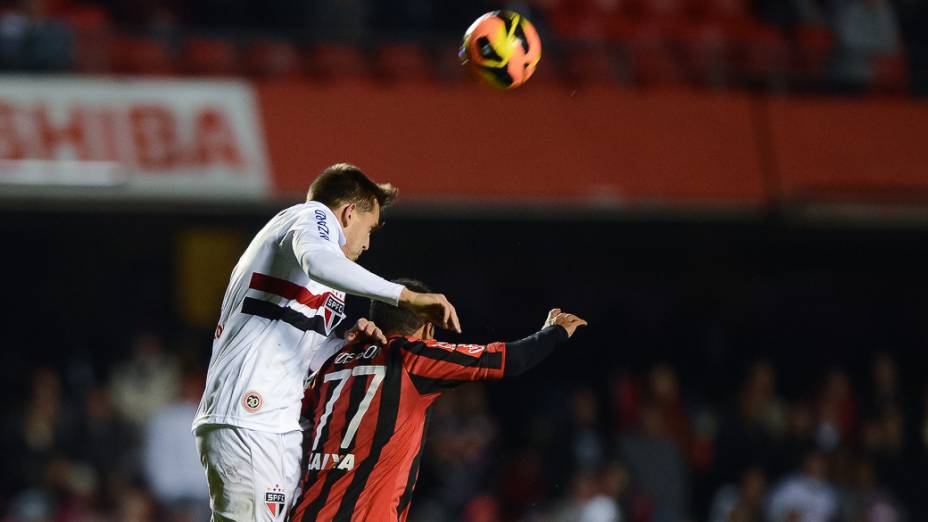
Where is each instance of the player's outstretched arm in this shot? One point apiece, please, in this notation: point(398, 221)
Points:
point(326, 265)
point(436, 366)
point(434, 307)
point(524, 354)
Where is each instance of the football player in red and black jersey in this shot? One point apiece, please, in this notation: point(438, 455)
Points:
point(367, 410)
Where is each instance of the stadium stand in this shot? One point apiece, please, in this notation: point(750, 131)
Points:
point(700, 43)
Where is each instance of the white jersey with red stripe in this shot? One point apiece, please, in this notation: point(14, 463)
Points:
point(284, 300)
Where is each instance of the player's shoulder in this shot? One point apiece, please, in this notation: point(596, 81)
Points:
point(405, 344)
point(308, 210)
point(400, 342)
point(311, 206)
point(425, 346)
point(318, 218)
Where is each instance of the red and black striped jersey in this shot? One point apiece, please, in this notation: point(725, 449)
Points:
point(367, 410)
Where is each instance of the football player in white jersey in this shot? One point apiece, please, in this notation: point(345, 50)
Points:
point(285, 298)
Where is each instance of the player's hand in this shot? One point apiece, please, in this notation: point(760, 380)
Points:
point(569, 322)
point(365, 331)
point(434, 307)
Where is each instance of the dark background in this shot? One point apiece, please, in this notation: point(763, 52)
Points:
point(707, 294)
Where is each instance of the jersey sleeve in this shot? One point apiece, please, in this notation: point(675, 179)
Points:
point(315, 241)
point(434, 366)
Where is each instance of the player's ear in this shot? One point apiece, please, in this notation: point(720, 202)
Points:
point(347, 215)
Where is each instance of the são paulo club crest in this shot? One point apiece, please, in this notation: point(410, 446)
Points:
point(275, 499)
point(334, 312)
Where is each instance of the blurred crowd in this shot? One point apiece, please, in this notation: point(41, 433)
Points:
point(87, 444)
point(641, 451)
point(844, 46)
point(91, 446)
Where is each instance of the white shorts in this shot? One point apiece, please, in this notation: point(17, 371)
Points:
point(252, 475)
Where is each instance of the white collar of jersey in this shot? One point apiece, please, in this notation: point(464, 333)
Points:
point(341, 232)
point(333, 219)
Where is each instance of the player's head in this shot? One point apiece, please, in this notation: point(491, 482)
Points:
point(356, 202)
point(393, 320)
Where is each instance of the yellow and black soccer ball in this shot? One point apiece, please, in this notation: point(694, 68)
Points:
point(502, 48)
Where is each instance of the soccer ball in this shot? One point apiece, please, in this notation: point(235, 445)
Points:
point(502, 48)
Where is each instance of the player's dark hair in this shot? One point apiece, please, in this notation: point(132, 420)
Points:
point(393, 320)
point(343, 183)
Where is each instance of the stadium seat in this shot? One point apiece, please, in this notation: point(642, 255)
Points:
point(91, 39)
point(766, 56)
point(611, 6)
point(890, 74)
point(720, 10)
point(584, 25)
point(578, 27)
point(403, 62)
point(87, 17)
point(272, 59)
point(814, 46)
point(707, 51)
point(651, 55)
point(141, 55)
point(210, 57)
point(659, 9)
point(338, 62)
point(619, 27)
point(591, 64)
point(583, 8)
point(592, 6)
point(448, 68)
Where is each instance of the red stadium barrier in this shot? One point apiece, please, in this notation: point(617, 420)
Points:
point(542, 142)
point(597, 144)
point(851, 148)
point(559, 142)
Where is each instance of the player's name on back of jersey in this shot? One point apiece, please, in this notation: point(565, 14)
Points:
point(321, 224)
point(346, 357)
point(320, 461)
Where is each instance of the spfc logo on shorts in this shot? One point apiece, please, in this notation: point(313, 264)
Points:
point(334, 312)
point(275, 500)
